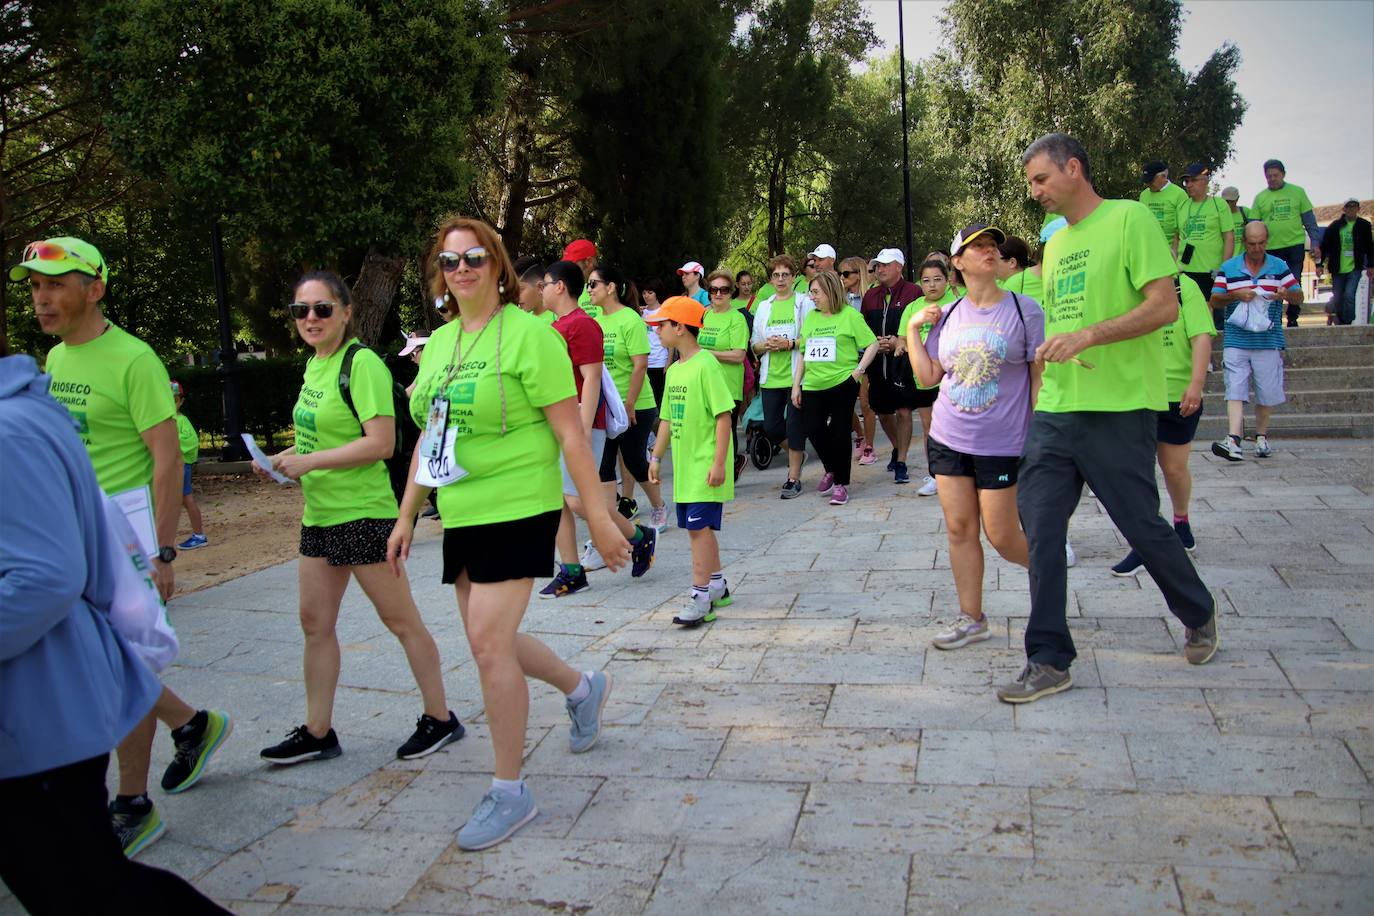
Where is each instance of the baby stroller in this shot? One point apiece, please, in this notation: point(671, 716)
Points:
point(760, 448)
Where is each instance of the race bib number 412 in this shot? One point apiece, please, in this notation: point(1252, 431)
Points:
point(820, 350)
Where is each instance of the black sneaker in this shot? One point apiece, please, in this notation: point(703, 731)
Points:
point(791, 489)
point(565, 584)
point(1185, 534)
point(195, 742)
point(900, 474)
point(300, 746)
point(627, 507)
point(740, 461)
point(430, 735)
point(136, 827)
point(892, 462)
point(642, 553)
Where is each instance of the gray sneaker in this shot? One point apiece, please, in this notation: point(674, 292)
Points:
point(1262, 449)
point(1035, 681)
point(1202, 642)
point(497, 816)
point(586, 715)
point(964, 631)
point(791, 489)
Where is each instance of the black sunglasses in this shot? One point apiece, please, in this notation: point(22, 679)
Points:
point(301, 310)
point(474, 257)
point(849, 273)
point(718, 290)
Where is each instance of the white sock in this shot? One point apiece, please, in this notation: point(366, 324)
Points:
point(511, 787)
point(584, 687)
point(718, 584)
point(700, 592)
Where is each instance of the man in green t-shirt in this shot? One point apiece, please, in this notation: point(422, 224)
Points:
point(1230, 195)
point(1163, 198)
point(1287, 213)
point(1206, 229)
point(582, 252)
point(118, 392)
point(1109, 290)
point(1347, 249)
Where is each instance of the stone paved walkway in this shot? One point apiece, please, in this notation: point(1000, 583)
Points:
point(809, 753)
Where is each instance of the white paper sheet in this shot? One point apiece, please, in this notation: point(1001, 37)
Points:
point(262, 461)
point(137, 506)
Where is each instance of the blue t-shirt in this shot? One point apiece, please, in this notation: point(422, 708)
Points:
point(1272, 277)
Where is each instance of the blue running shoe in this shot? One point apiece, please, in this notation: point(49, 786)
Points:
point(586, 715)
point(565, 584)
point(642, 553)
point(497, 816)
point(193, 542)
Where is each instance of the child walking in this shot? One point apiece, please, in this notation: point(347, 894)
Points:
point(189, 440)
point(696, 420)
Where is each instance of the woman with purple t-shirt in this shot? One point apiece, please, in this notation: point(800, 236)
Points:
point(980, 351)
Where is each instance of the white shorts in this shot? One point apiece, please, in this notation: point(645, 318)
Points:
point(1264, 367)
point(598, 445)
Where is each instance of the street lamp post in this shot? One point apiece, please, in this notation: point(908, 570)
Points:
point(234, 449)
point(906, 154)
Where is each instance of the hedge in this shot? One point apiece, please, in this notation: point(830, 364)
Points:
point(267, 393)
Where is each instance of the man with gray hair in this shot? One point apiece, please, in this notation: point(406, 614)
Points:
point(1287, 213)
point(1109, 291)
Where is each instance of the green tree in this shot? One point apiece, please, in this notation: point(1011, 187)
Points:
point(332, 132)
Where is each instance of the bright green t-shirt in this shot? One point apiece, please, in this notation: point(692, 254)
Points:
point(1095, 270)
point(1240, 218)
point(323, 421)
point(116, 389)
point(831, 345)
point(916, 307)
point(510, 476)
point(1347, 247)
point(1194, 318)
point(187, 439)
point(585, 301)
point(626, 336)
point(726, 331)
point(697, 393)
point(1164, 204)
point(782, 322)
point(1282, 212)
point(1024, 283)
point(547, 316)
point(1202, 224)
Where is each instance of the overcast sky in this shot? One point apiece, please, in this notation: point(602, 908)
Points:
point(1307, 72)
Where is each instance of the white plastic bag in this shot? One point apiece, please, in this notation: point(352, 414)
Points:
point(1252, 316)
point(617, 420)
point(136, 610)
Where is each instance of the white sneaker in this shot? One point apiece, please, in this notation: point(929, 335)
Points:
point(658, 517)
point(927, 487)
point(591, 559)
point(1262, 449)
point(1227, 448)
point(1070, 558)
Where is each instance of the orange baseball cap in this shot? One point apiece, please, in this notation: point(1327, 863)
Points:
point(682, 309)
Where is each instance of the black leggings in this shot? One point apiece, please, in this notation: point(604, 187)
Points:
point(782, 421)
point(826, 415)
point(66, 858)
point(633, 444)
point(656, 380)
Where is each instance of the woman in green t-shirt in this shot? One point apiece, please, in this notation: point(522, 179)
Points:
point(349, 513)
point(725, 333)
point(836, 346)
point(495, 393)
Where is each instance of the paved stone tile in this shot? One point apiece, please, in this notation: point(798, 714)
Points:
point(718, 880)
point(1357, 626)
point(839, 666)
point(1246, 765)
point(1120, 710)
point(1145, 601)
point(1329, 836)
point(1297, 602)
point(1265, 633)
point(891, 635)
point(819, 755)
point(755, 634)
point(976, 758)
point(1239, 668)
point(473, 754)
point(440, 802)
point(864, 605)
point(1328, 670)
point(995, 604)
point(666, 665)
point(353, 807)
point(916, 706)
point(1224, 891)
point(849, 544)
point(916, 558)
point(710, 811)
point(678, 753)
point(977, 666)
point(799, 582)
point(1341, 713)
point(1090, 825)
point(1326, 522)
point(1260, 712)
point(1349, 554)
point(940, 820)
point(361, 868)
point(909, 580)
point(628, 704)
point(1343, 577)
point(538, 876)
point(976, 885)
point(1144, 633)
point(719, 705)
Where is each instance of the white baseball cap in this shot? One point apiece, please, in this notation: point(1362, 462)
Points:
point(888, 256)
point(413, 343)
point(823, 251)
point(691, 267)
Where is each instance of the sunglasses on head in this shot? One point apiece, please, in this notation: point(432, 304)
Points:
point(718, 290)
point(302, 310)
point(449, 261)
point(51, 251)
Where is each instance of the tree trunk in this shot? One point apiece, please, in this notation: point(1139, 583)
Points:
point(374, 292)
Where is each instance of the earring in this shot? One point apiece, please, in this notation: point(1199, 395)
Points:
point(501, 287)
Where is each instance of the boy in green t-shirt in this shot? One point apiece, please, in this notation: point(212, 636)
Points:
point(189, 440)
point(696, 419)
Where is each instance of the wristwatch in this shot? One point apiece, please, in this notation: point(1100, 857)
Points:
point(166, 554)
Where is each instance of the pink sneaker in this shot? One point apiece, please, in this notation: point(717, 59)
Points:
point(860, 446)
point(826, 485)
point(839, 496)
point(868, 457)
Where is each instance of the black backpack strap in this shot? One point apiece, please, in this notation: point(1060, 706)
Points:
point(345, 371)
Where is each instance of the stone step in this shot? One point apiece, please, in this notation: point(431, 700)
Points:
point(1324, 425)
point(1357, 358)
point(1323, 378)
point(1325, 336)
point(1352, 400)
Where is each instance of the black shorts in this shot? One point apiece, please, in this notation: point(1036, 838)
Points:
point(1176, 429)
point(357, 543)
point(925, 397)
point(886, 396)
point(519, 549)
point(633, 445)
point(989, 472)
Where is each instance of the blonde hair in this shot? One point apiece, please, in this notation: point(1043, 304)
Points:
point(834, 291)
point(859, 264)
point(508, 281)
point(719, 275)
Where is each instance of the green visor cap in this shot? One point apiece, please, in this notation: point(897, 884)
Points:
point(61, 255)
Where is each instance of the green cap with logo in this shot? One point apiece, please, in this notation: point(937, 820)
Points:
point(62, 255)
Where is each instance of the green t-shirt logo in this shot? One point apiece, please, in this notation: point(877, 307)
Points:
point(677, 410)
point(82, 424)
point(305, 419)
point(1071, 285)
point(463, 393)
point(1283, 208)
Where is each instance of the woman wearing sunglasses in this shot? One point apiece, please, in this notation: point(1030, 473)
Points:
point(774, 340)
point(349, 514)
point(496, 395)
point(725, 333)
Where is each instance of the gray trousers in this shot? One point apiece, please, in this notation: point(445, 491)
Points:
point(1115, 454)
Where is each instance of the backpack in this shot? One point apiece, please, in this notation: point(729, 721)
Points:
point(407, 434)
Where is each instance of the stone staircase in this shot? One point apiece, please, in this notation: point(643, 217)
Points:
point(1329, 380)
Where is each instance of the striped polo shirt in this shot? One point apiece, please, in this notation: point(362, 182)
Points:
point(1273, 276)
